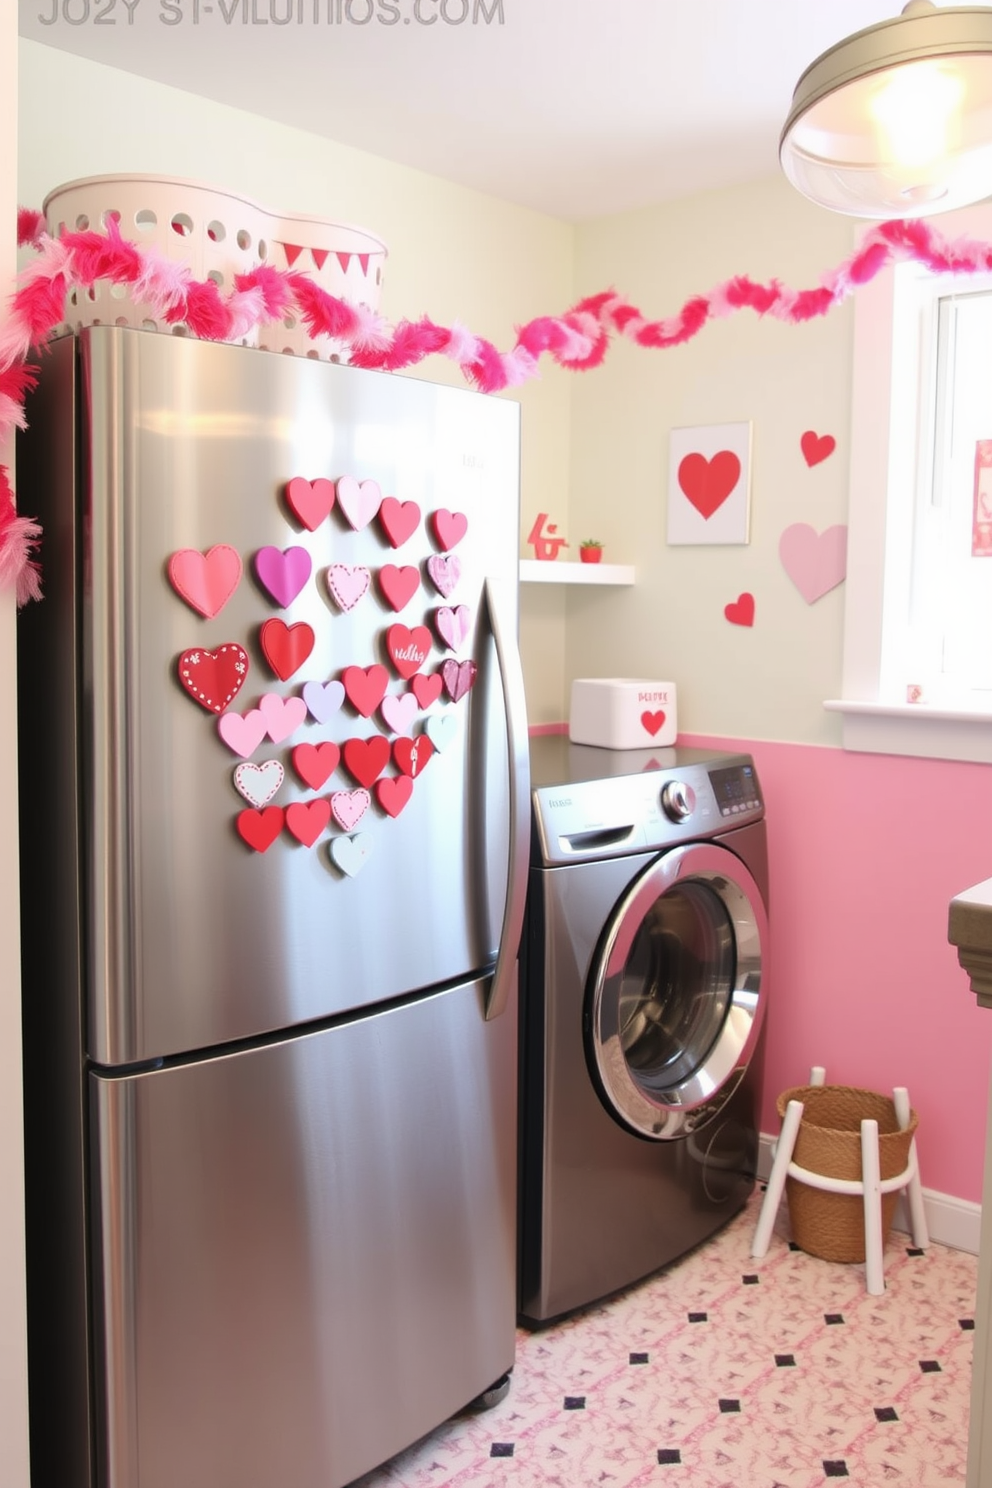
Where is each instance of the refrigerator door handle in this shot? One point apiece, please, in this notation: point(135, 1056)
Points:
point(499, 597)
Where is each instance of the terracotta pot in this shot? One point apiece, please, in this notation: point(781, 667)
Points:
point(590, 555)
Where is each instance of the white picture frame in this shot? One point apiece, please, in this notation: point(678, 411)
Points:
point(709, 484)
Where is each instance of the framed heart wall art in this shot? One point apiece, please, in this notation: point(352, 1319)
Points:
point(709, 484)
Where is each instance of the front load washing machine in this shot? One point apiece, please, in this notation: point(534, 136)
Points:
point(643, 995)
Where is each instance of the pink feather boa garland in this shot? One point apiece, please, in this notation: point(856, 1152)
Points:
point(578, 340)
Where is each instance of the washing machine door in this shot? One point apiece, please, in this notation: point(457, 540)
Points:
point(674, 1004)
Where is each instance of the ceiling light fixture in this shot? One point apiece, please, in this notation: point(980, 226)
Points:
point(896, 121)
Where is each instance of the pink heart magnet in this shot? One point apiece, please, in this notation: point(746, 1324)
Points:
point(283, 573)
point(348, 807)
point(207, 580)
point(449, 527)
point(307, 819)
point(323, 699)
point(399, 520)
point(453, 626)
point(408, 649)
point(816, 562)
point(398, 585)
point(399, 712)
point(282, 715)
point(444, 571)
point(458, 677)
point(310, 501)
point(359, 500)
point(242, 732)
point(347, 585)
point(393, 792)
point(259, 783)
point(350, 854)
point(365, 687)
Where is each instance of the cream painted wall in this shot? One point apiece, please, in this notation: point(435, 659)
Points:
point(454, 254)
point(13, 1337)
point(767, 682)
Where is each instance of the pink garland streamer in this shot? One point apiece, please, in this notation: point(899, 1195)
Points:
point(577, 340)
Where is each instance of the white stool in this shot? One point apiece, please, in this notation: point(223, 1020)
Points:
point(871, 1187)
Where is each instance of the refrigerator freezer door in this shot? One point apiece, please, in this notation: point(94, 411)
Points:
point(196, 939)
point(308, 1248)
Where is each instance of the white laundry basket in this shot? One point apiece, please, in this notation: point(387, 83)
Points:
point(219, 235)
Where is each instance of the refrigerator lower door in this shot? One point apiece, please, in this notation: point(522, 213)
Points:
point(305, 1250)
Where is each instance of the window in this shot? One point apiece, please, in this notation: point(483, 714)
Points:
point(918, 607)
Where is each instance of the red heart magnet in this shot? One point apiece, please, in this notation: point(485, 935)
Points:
point(393, 792)
point(307, 819)
point(366, 758)
point(411, 755)
point(365, 687)
point(214, 678)
point(653, 722)
point(708, 483)
point(741, 612)
point(399, 519)
point(408, 649)
point(207, 580)
point(286, 647)
point(449, 527)
point(315, 763)
point(816, 447)
point(427, 688)
point(458, 678)
point(260, 828)
point(310, 501)
point(398, 585)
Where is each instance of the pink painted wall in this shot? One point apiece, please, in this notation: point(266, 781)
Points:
point(865, 853)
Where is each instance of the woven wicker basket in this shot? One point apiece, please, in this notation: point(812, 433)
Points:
point(832, 1225)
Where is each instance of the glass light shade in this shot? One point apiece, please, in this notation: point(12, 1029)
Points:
point(896, 121)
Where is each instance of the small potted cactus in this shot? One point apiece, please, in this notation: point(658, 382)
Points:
point(590, 551)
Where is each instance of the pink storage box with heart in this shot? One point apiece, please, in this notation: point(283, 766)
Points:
point(622, 713)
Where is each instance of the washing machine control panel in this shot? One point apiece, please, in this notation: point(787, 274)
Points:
point(650, 804)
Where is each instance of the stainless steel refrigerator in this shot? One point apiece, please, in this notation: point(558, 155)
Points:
point(274, 838)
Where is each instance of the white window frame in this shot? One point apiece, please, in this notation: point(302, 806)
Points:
point(879, 540)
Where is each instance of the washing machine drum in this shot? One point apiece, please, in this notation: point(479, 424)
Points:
point(674, 1004)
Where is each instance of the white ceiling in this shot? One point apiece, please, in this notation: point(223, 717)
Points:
point(577, 108)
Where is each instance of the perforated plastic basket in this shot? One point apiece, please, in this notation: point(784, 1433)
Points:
point(218, 235)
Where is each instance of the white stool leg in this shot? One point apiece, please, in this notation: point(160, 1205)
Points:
point(871, 1179)
point(776, 1180)
point(914, 1189)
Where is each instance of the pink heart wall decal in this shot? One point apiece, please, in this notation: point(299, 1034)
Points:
point(207, 580)
point(708, 483)
point(454, 625)
point(444, 571)
point(358, 500)
point(816, 447)
point(816, 562)
point(283, 573)
point(347, 585)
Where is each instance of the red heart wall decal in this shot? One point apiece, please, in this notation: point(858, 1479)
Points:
point(816, 447)
point(307, 819)
point(411, 755)
point(399, 519)
point(427, 688)
point(449, 527)
point(214, 678)
point(315, 763)
point(366, 758)
point(741, 612)
point(653, 722)
point(286, 647)
point(310, 501)
point(207, 580)
point(708, 483)
point(260, 828)
point(393, 792)
point(398, 585)
point(365, 687)
point(408, 649)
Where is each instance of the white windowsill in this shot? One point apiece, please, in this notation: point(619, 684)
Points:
point(921, 729)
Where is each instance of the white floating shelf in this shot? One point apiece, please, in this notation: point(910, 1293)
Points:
point(534, 571)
